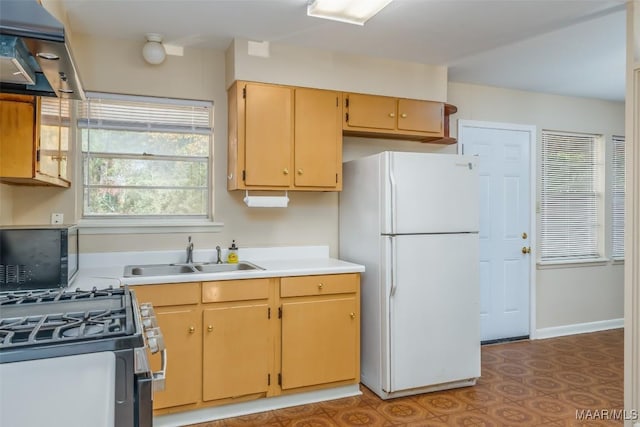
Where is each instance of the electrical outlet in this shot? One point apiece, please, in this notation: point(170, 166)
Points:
point(57, 218)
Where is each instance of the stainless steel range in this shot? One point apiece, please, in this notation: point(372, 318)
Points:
point(83, 350)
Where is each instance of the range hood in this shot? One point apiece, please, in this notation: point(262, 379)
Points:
point(34, 56)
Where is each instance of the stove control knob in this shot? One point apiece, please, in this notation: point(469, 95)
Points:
point(149, 322)
point(146, 310)
point(155, 340)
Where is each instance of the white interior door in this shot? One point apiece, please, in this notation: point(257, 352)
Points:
point(434, 335)
point(506, 225)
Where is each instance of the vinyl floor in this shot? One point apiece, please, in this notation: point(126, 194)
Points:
point(568, 381)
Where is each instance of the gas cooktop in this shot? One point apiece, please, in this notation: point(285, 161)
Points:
point(39, 324)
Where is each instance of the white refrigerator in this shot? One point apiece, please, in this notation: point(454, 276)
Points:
point(412, 220)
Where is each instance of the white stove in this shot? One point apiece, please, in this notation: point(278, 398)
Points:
point(83, 350)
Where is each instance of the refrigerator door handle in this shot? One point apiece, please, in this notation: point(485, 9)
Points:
point(394, 275)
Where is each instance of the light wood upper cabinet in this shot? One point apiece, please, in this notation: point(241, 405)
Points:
point(370, 111)
point(22, 158)
point(318, 139)
point(268, 135)
point(396, 118)
point(320, 330)
point(284, 138)
point(420, 116)
point(179, 319)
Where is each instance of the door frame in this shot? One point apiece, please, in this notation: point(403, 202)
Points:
point(533, 179)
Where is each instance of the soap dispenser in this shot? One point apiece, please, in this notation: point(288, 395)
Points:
point(232, 256)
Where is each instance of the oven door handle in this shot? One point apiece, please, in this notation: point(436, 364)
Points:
point(160, 376)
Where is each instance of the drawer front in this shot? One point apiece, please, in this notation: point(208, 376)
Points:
point(319, 285)
point(235, 290)
point(167, 295)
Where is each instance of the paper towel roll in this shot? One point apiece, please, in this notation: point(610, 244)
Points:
point(266, 201)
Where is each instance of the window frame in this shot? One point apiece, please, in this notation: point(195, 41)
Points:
point(617, 166)
point(126, 224)
point(599, 194)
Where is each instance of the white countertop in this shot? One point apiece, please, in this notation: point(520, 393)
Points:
point(102, 270)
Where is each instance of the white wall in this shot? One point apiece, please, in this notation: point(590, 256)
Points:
point(6, 204)
point(564, 296)
point(338, 71)
point(117, 66)
point(567, 295)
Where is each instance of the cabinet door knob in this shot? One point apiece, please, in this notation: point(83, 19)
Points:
point(392, 114)
point(526, 250)
point(320, 286)
point(403, 115)
point(210, 328)
point(285, 171)
point(353, 315)
point(192, 329)
point(524, 235)
point(300, 171)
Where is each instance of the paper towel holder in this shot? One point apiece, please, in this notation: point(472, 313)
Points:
point(266, 201)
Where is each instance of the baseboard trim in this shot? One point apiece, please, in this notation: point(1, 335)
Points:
point(251, 407)
point(578, 328)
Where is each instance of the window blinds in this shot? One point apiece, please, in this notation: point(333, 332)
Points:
point(617, 198)
point(194, 117)
point(570, 196)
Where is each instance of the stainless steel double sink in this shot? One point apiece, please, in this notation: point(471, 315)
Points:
point(173, 269)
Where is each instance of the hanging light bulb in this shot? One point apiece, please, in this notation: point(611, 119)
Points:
point(153, 50)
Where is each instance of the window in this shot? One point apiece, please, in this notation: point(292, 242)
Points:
point(571, 197)
point(145, 157)
point(617, 198)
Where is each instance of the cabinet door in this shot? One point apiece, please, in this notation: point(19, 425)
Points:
point(420, 116)
point(180, 327)
point(318, 138)
point(370, 111)
point(17, 148)
point(237, 351)
point(319, 341)
point(268, 135)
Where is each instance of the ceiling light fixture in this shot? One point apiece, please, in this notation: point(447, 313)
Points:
point(350, 11)
point(153, 50)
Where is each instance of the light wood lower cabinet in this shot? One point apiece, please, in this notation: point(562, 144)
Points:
point(320, 330)
point(235, 340)
point(178, 315)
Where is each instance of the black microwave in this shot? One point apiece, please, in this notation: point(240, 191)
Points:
point(38, 257)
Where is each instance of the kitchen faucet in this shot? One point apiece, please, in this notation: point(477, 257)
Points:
point(190, 252)
point(219, 261)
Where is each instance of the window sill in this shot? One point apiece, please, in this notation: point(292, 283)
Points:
point(147, 226)
point(543, 265)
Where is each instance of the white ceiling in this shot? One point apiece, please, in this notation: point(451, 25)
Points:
point(568, 47)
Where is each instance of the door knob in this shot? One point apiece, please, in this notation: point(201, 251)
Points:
point(524, 236)
point(192, 329)
point(526, 250)
point(210, 328)
point(300, 171)
point(285, 171)
point(392, 115)
point(320, 285)
point(403, 115)
point(353, 315)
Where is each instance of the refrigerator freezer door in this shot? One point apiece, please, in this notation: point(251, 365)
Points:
point(431, 193)
point(434, 310)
